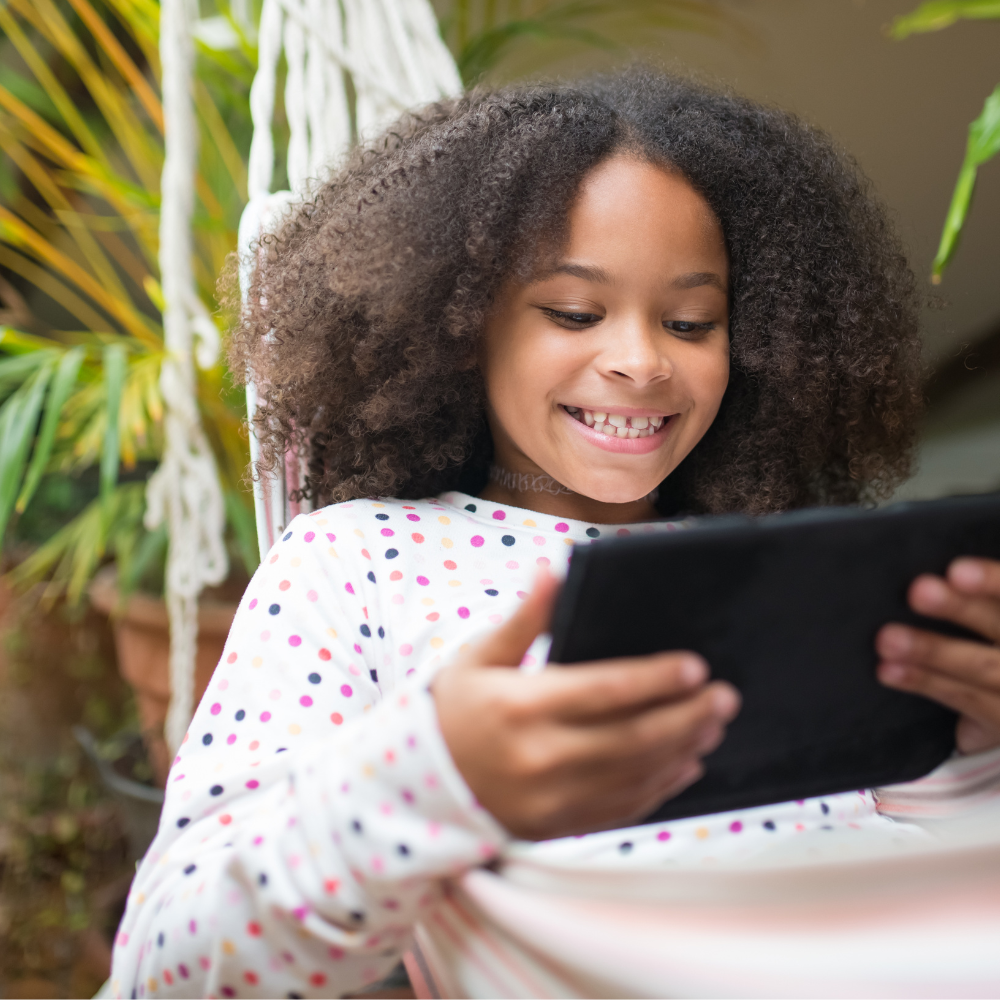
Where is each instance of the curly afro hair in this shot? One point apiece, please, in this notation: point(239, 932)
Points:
point(366, 306)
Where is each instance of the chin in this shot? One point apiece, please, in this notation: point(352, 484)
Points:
point(615, 491)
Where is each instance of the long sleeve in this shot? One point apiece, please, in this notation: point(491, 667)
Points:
point(308, 818)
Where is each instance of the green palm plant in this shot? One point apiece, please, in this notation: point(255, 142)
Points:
point(984, 133)
point(82, 148)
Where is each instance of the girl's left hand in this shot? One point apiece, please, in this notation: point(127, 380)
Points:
point(960, 673)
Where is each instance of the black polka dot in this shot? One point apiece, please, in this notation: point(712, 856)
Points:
point(281, 749)
point(160, 939)
point(371, 576)
point(366, 631)
point(471, 506)
point(294, 996)
point(356, 825)
point(274, 609)
point(825, 808)
point(286, 537)
point(240, 715)
point(491, 592)
point(625, 846)
point(183, 822)
point(314, 678)
point(374, 675)
point(381, 632)
point(189, 869)
point(215, 790)
point(769, 824)
point(261, 879)
point(382, 517)
point(206, 739)
point(593, 533)
point(403, 850)
point(391, 553)
point(826, 826)
point(357, 916)
point(508, 539)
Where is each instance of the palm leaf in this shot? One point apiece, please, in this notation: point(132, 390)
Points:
point(937, 14)
point(114, 380)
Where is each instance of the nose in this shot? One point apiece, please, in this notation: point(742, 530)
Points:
point(635, 352)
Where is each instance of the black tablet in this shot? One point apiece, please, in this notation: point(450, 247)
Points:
point(786, 608)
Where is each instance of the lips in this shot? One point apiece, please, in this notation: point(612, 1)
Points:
point(620, 432)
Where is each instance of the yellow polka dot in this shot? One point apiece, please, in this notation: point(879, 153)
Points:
point(428, 601)
point(296, 561)
point(454, 583)
point(333, 552)
point(294, 729)
point(447, 543)
point(701, 833)
point(529, 523)
point(368, 771)
point(228, 947)
point(359, 533)
point(332, 633)
point(367, 708)
point(464, 648)
point(153, 984)
point(444, 520)
point(141, 898)
point(437, 642)
point(322, 521)
point(257, 661)
point(569, 541)
point(378, 504)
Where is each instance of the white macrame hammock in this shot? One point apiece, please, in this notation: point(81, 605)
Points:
point(394, 55)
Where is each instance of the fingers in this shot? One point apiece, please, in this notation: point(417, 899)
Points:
point(964, 659)
point(507, 645)
point(976, 576)
point(966, 603)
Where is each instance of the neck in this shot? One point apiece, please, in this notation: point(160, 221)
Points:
point(543, 494)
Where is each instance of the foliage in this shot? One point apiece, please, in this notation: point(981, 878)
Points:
point(984, 133)
point(82, 149)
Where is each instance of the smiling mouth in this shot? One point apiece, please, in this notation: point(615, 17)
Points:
point(617, 425)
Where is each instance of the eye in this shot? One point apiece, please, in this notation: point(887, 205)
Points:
point(572, 319)
point(688, 329)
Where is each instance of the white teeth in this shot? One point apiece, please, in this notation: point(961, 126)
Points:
point(588, 418)
point(617, 420)
point(633, 432)
point(599, 417)
point(641, 422)
point(622, 432)
point(656, 422)
point(608, 429)
point(616, 425)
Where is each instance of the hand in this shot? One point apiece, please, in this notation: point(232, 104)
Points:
point(582, 748)
point(960, 673)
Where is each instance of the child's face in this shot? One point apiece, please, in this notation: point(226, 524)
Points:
point(605, 372)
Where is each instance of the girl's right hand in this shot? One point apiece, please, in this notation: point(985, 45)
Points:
point(582, 748)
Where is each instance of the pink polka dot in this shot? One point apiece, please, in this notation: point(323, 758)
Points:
point(284, 585)
point(395, 575)
point(312, 596)
point(309, 536)
point(216, 708)
point(412, 517)
point(305, 701)
point(346, 690)
point(542, 560)
point(265, 635)
point(663, 835)
point(623, 532)
point(397, 598)
point(265, 716)
point(477, 541)
point(275, 695)
point(231, 658)
point(331, 537)
point(348, 588)
point(295, 640)
point(405, 649)
point(336, 718)
point(450, 564)
point(423, 581)
point(511, 564)
point(388, 532)
point(365, 553)
point(521, 594)
point(498, 515)
point(324, 654)
point(417, 537)
point(253, 604)
point(562, 526)
point(736, 826)
point(433, 616)
point(463, 612)
point(486, 581)
point(231, 738)
point(538, 540)
point(357, 648)
point(253, 783)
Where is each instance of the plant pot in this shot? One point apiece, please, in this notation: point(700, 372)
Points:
point(142, 641)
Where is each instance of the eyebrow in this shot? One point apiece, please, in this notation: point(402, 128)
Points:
point(589, 272)
point(698, 278)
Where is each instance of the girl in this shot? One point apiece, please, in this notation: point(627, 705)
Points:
point(523, 320)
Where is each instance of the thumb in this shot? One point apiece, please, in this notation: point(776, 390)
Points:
point(506, 646)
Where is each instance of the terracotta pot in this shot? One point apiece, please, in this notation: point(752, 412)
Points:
point(142, 641)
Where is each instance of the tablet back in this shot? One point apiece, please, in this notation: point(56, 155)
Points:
point(786, 608)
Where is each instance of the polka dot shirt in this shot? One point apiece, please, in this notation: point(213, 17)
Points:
point(313, 808)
